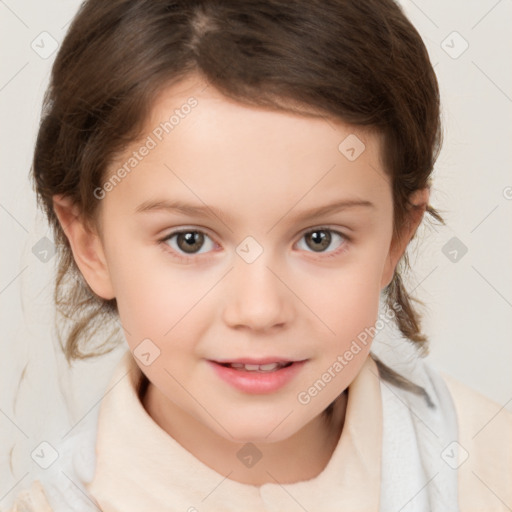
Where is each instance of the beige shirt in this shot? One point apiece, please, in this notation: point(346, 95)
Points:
point(140, 467)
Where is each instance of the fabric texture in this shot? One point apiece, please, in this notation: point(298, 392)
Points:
point(350, 479)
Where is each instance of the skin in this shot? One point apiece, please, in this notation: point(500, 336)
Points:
point(297, 300)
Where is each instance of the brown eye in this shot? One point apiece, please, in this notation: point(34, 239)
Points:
point(189, 242)
point(320, 239)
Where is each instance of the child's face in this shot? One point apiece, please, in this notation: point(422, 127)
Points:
point(256, 286)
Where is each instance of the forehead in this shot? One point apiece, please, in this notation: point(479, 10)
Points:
point(206, 146)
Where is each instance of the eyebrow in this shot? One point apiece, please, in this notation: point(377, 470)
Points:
point(211, 212)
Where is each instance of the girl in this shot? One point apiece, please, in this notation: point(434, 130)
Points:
point(237, 183)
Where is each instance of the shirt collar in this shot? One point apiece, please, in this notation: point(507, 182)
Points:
point(140, 467)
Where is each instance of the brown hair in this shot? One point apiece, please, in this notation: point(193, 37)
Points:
point(360, 61)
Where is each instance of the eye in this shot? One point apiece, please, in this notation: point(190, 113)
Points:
point(321, 238)
point(188, 242)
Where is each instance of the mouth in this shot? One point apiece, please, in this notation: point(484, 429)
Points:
point(264, 368)
point(257, 376)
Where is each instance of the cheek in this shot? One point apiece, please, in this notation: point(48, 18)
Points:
point(157, 301)
point(142, 291)
point(350, 310)
point(353, 309)
point(347, 298)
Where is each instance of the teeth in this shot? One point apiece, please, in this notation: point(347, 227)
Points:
point(252, 367)
point(270, 367)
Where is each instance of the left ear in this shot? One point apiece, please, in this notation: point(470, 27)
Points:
point(418, 202)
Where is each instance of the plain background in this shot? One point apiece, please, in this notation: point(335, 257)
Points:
point(462, 272)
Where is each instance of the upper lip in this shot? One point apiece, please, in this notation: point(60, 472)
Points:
point(259, 361)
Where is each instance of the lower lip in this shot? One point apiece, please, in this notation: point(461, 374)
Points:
point(257, 382)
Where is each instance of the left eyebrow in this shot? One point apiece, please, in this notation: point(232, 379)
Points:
point(337, 206)
point(210, 211)
point(179, 207)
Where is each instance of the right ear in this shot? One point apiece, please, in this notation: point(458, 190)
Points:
point(86, 246)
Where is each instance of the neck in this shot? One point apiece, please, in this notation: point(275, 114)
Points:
point(300, 457)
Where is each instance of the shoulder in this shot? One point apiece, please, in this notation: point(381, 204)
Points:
point(485, 449)
point(478, 411)
point(483, 424)
point(32, 499)
point(473, 442)
point(62, 486)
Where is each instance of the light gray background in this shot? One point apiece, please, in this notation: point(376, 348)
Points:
point(469, 301)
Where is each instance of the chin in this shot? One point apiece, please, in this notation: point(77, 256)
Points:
point(258, 429)
point(258, 436)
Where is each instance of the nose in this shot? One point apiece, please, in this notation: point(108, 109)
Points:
point(256, 297)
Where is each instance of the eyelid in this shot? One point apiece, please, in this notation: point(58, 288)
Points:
point(187, 229)
point(330, 254)
point(204, 231)
point(339, 231)
point(182, 257)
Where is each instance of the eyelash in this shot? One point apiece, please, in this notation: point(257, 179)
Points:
point(188, 259)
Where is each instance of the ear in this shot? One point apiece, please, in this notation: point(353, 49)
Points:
point(86, 246)
point(418, 203)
